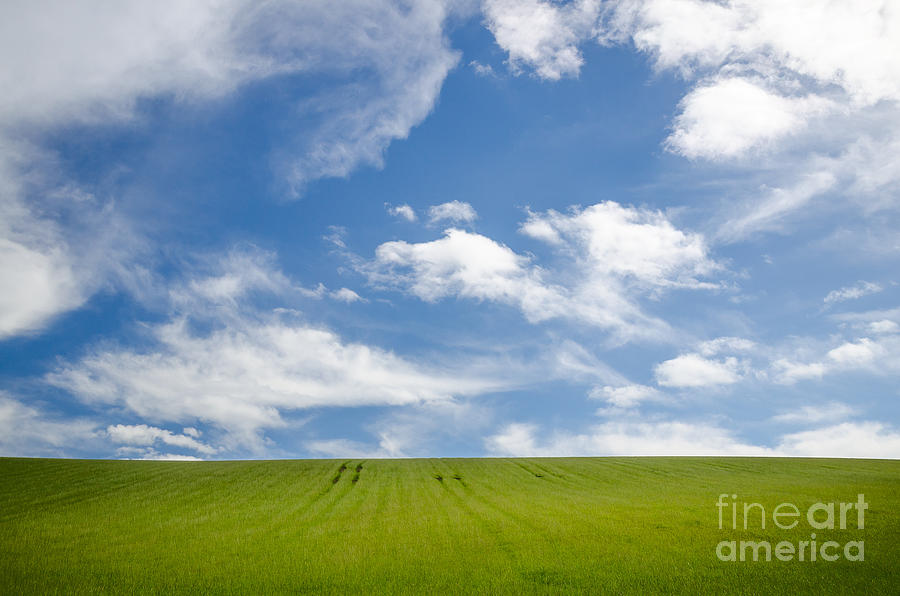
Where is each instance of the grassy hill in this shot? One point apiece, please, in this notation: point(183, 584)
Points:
point(589, 525)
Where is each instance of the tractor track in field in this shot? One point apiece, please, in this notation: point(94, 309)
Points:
point(336, 490)
point(491, 516)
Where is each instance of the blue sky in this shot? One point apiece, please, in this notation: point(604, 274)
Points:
point(389, 229)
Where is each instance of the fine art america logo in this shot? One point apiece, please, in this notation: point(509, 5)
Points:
point(736, 516)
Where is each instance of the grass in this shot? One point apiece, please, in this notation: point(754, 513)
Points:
point(517, 526)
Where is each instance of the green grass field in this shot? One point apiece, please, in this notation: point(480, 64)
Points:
point(582, 525)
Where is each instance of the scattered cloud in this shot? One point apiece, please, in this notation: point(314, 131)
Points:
point(26, 430)
point(218, 361)
point(726, 345)
point(883, 326)
point(827, 412)
point(412, 431)
point(625, 396)
point(541, 35)
point(863, 288)
point(693, 370)
point(728, 117)
point(613, 255)
point(453, 211)
point(143, 435)
point(637, 245)
point(347, 295)
point(482, 70)
point(621, 438)
point(788, 372)
point(848, 439)
point(879, 356)
point(402, 211)
point(810, 87)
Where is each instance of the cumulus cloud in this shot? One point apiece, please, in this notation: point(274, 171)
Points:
point(403, 211)
point(810, 85)
point(141, 434)
point(693, 370)
point(453, 211)
point(613, 255)
point(37, 286)
point(789, 372)
point(542, 35)
point(880, 355)
point(731, 116)
point(636, 245)
point(855, 354)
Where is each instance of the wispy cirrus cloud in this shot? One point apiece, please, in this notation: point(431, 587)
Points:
point(94, 64)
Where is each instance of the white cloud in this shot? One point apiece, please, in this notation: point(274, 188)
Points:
point(879, 356)
point(36, 286)
point(634, 244)
point(863, 288)
point(482, 70)
point(225, 364)
point(768, 212)
point(849, 44)
point(625, 396)
point(622, 438)
point(151, 454)
point(811, 86)
point(828, 412)
point(849, 439)
point(141, 434)
point(730, 116)
point(612, 254)
point(403, 211)
point(338, 448)
point(346, 295)
point(47, 268)
point(411, 431)
point(884, 326)
point(725, 344)
point(693, 370)
point(28, 431)
point(92, 63)
point(542, 35)
point(453, 211)
point(788, 372)
point(855, 354)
